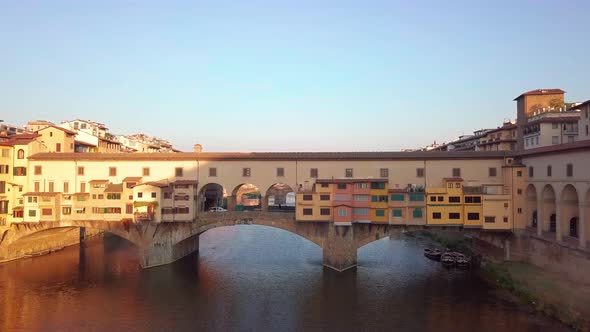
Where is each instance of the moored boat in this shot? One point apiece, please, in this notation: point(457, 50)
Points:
point(433, 253)
point(447, 259)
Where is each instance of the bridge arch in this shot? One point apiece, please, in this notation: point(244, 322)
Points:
point(531, 207)
point(212, 195)
point(569, 213)
point(280, 197)
point(549, 224)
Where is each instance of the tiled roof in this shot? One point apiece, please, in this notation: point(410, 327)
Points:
point(567, 147)
point(541, 92)
point(132, 179)
point(60, 128)
point(114, 188)
point(98, 181)
point(41, 194)
point(20, 139)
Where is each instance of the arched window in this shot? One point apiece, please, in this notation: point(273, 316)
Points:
point(21, 154)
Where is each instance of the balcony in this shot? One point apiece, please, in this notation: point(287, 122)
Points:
point(143, 216)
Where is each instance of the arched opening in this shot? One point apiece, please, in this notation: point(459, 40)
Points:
point(212, 195)
point(531, 193)
point(247, 197)
point(549, 224)
point(20, 154)
point(280, 198)
point(569, 211)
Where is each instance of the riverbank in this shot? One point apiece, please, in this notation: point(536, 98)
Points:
point(540, 290)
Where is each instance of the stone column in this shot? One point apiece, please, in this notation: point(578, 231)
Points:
point(164, 252)
point(558, 221)
point(582, 223)
point(340, 248)
point(263, 203)
point(231, 203)
point(540, 215)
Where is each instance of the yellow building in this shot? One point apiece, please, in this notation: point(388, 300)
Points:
point(445, 205)
point(379, 198)
point(57, 139)
point(315, 204)
point(5, 168)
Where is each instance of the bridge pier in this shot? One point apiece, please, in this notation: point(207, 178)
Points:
point(339, 248)
point(162, 253)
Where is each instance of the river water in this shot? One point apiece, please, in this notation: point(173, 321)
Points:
point(252, 278)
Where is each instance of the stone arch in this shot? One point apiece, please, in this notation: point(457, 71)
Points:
point(531, 206)
point(280, 197)
point(569, 212)
point(212, 195)
point(246, 197)
point(549, 224)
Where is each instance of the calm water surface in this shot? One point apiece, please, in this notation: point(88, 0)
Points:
point(251, 278)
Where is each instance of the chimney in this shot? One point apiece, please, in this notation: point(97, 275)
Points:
point(198, 148)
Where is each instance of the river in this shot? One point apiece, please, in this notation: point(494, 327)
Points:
point(252, 278)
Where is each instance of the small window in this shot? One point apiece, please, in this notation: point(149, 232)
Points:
point(397, 197)
point(570, 170)
point(450, 185)
point(20, 154)
point(325, 185)
point(531, 171)
point(212, 171)
point(456, 172)
point(436, 215)
point(80, 170)
point(519, 191)
point(324, 211)
point(519, 174)
point(348, 173)
point(549, 170)
point(66, 187)
point(46, 212)
point(384, 172)
point(179, 172)
point(145, 171)
point(454, 199)
point(441, 198)
point(38, 170)
point(419, 172)
point(505, 205)
point(112, 171)
point(492, 171)
point(472, 216)
point(324, 197)
point(433, 198)
point(307, 197)
point(454, 215)
point(417, 213)
point(457, 185)
point(519, 210)
point(246, 172)
point(380, 213)
point(66, 210)
point(280, 172)
point(505, 219)
point(139, 195)
point(489, 219)
point(307, 212)
point(341, 186)
point(342, 213)
point(397, 212)
point(313, 173)
point(153, 195)
point(32, 213)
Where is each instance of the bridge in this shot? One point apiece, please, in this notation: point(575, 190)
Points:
point(166, 242)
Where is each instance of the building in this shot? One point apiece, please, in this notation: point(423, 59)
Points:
point(57, 139)
point(584, 120)
point(91, 136)
point(500, 139)
point(144, 143)
point(35, 126)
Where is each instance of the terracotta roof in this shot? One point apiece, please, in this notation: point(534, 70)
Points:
point(132, 179)
point(41, 194)
point(350, 180)
point(159, 184)
point(83, 143)
point(541, 92)
point(587, 102)
point(60, 128)
point(453, 179)
point(20, 139)
point(109, 140)
point(224, 156)
point(81, 194)
point(114, 188)
point(508, 126)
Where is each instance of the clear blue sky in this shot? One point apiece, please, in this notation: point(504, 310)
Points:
point(297, 76)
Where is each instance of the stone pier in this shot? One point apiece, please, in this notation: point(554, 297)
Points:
point(162, 253)
point(340, 248)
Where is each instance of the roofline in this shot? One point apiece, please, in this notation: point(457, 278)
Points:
point(535, 93)
point(567, 147)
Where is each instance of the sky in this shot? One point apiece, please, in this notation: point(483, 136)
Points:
point(288, 76)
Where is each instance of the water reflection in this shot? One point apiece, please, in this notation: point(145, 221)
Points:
point(250, 278)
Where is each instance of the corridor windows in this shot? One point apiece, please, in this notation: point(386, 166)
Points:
point(549, 171)
point(112, 171)
point(179, 172)
point(419, 172)
point(212, 171)
point(456, 172)
point(348, 173)
point(246, 172)
point(313, 173)
point(384, 172)
point(569, 170)
point(280, 172)
point(492, 172)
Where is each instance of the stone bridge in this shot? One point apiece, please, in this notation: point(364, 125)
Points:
point(166, 242)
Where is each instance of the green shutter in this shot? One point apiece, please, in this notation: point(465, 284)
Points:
point(397, 197)
point(380, 213)
point(397, 212)
point(417, 197)
point(417, 213)
point(374, 198)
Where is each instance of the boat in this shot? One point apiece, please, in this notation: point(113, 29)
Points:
point(463, 261)
point(433, 253)
point(448, 259)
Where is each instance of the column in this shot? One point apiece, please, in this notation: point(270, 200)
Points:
point(263, 203)
point(231, 203)
point(582, 223)
point(558, 221)
point(340, 248)
point(540, 215)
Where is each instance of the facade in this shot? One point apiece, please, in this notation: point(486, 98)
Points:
point(57, 139)
point(584, 121)
point(144, 143)
point(550, 128)
point(500, 139)
point(35, 126)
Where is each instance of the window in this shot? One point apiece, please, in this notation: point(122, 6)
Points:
point(2, 187)
point(182, 210)
point(531, 171)
point(361, 198)
point(419, 172)
point(32, 199)
point(32, 213)
point(324, 197)
point(519, 210)
point(549, 170)
point(38, 170)
point(66, 210)
point(348, 173)
point(457, 185)
point(82, 187)
point(324, 211)
point(472, 216)
point(361, 211)
point(57, 147)
point(153, 195)
point(397, 197)
point(37, 186)
point(100, 196)
point(178, 171)
point(450, 185)
point(20, 154)
point(66, 187)
point(4, 169)
point(46, 212)
point(325, 185)
point(112, 171)
point(280, 172)
point(440, 198)
point(569, 170)
point(384, 172)
point(342, 213)
point(586, 126)
point(128, 208)
point(307, 212)
point(519, 174)
point(380, 213)
point(341, 197)
point(492, 171)
point(489, 219)
point(246, 171)
point(416, 197)
point(362, 185)
point(519, 191)
point(145, 171)
point(313, 173)
point(341, 186)
point(436, 215)
point(377, 185)
point(456, 172)
point(472, 199)
point(432, 198)
point(505, 205)
point(80, 170)
point(505, 219)
point(537, 140)
point(5, 153)
point(307, 197)
point(51, 186)
point(397, 212)
point(417, 213)
point(454, 199)
point(454, 215)
point(554, 139)
point(113, 196)
point(554, 126)
point(167, 195)
point(139, 195)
